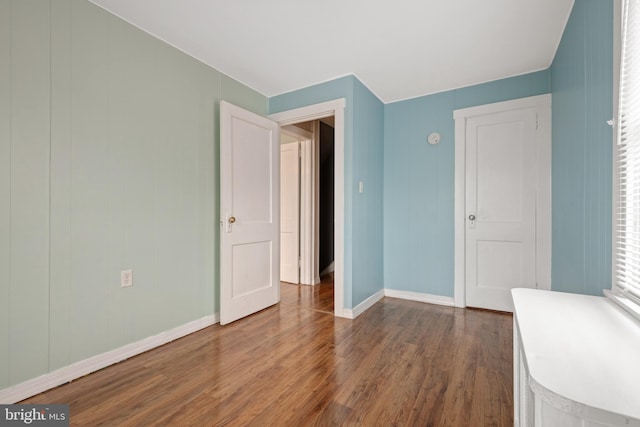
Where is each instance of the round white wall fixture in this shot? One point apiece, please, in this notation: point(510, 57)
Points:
point(433, 138)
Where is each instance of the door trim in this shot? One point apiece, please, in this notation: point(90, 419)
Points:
point(317, 111)
point(308, 213)
point(542, 103)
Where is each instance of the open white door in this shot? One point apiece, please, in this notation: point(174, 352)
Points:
point(249, 213)
point(290, 212)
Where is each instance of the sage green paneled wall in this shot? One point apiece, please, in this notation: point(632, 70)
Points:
point(25, 184)
point(108, 160)
point(5, 189)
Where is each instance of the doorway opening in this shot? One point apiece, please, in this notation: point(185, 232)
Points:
point(334, 108)
point(307, 232)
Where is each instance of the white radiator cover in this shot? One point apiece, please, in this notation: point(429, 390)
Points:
point(572, 357)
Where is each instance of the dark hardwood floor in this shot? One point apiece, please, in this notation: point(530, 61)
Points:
point(400, 363)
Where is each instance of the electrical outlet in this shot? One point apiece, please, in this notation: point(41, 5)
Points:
point(126, 278)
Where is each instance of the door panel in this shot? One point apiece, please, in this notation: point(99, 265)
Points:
point(251, 174)
point(290, 212)
point(499, 199)
point(499, 264)
point(500, 206)
point(249, 212)
point(257, 278)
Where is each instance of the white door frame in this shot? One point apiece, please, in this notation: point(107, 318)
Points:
point(318, 111)
point(543, 198)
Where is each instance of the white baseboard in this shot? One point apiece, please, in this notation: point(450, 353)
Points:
point(363, 306)
point(79, 369)
point(419, 297)
point(392, 293)
point(84, 367)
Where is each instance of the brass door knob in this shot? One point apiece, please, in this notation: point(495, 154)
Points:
point(232, 220)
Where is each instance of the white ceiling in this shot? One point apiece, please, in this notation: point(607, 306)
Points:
point(399, 49)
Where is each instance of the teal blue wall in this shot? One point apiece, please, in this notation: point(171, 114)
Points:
point(368, 166)
point(322, 92)
point(364, 118)
point(419, 181)
point(582, 87)
point(108, 160)
point(418, 178)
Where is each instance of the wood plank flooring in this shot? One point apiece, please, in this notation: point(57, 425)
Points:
point(401, 363)
point(318, 297)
